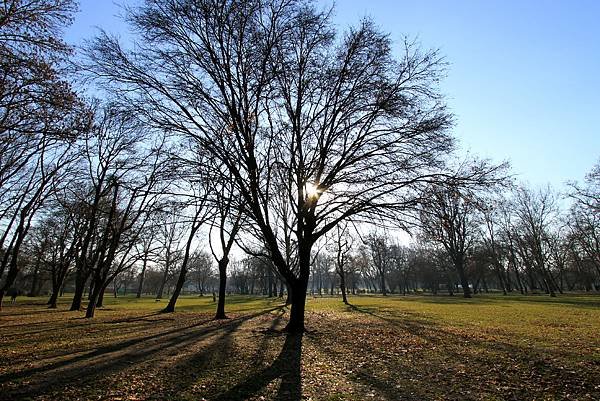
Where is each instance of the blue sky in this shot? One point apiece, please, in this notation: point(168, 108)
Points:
point(524, 76)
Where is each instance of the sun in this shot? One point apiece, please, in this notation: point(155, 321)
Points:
point(311, 190)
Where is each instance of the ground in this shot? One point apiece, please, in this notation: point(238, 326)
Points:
point(392, 348)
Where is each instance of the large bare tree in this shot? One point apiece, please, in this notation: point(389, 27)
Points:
point(336, 123)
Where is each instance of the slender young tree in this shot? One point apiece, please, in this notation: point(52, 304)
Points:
point(343, 243)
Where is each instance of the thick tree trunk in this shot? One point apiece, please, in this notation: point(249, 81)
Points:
point(93, 299)
point(222, 287)
point(464, 282)
point(80, 280)
point(53, 298)
point(10, 277)
point(100, 301)
point(288, 299)
point(383, 290)
point(298, 306)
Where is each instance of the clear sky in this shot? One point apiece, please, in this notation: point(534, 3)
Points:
point(524, 76)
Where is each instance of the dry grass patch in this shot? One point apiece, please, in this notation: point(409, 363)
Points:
point(391, 348)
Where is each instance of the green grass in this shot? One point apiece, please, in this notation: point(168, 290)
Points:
point(490, 347)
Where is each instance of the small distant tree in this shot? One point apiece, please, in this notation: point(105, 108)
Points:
point(341, 249)
point(202, 271)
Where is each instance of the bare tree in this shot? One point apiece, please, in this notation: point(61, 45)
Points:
point(588, 195)
point(39, 116)
point(381, 257)
point(201, 211)
point(171, 232)
point(449, 218)
point(146, 249)
point(536, 212)
point(342, 246)
point(341, 127)
point(227, 221)
point(202, 271)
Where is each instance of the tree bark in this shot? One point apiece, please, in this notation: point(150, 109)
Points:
point(100, 301)
point(343, 287)
point(80, 279)
point(222, 287)
point(298, 298)
point(464, 282)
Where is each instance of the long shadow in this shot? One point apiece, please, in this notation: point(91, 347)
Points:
point(586, 301)
point(218, 356)
point(181, 375)
point(112, 358)
point(458, 347)
point(42, 311)
point(415, 325)
point(285, 367)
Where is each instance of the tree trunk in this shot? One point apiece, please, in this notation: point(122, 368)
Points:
point(298, 298)
point(10, 278)
point(343, 287)
point(464, 282)
point(383, 290)
point(93, 299)
point(500, 273)
point(53, 298)
point(161, 289)
point(222, 287)
point(141, 283)
point(100, 301)
point(33, 292)
point(80, 280)
point(288, 299)
point(270, 282)
point(180, 282)
point(280, 288)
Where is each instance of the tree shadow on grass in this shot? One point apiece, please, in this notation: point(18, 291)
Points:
point(90, 367)
point(285, 367)
point(585, 301)
point(475, 360)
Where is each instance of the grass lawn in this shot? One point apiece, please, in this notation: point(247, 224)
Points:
point(392, 348)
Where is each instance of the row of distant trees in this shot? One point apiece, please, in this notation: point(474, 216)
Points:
point(523, 242)
point(256, 125)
